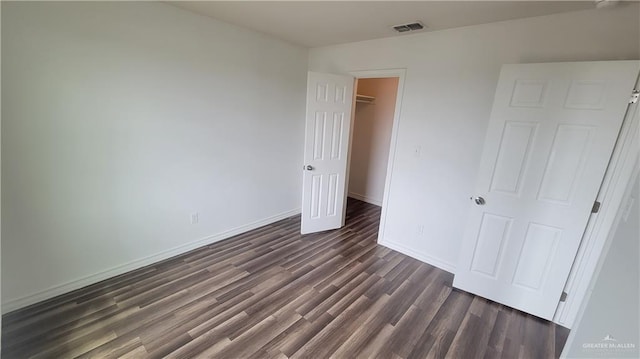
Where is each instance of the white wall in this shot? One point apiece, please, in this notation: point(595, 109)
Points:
point(120, 119)
point(450, 80)
point(613, 305)
point(371, 136)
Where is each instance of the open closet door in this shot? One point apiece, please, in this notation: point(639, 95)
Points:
point(552, 130)
point(328, 122)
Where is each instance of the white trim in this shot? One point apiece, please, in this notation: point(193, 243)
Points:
point(364, 198)
point(56, 290)
point(614, 185)
point(401, 75)
point(592, 282)
point(423, 257)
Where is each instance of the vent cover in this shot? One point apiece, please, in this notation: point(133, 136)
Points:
point(414, 26)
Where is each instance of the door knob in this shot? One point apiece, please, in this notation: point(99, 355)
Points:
point(308, 167)
point(479, 201)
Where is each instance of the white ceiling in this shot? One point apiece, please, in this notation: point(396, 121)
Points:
point(320, 23)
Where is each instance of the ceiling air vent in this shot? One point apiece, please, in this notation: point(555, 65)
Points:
point(414, 26)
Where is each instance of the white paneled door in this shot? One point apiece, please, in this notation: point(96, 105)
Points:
point(328, 122)
point(553, 128)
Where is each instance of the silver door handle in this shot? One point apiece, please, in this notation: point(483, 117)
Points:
point(479, 201)
point(308, 167)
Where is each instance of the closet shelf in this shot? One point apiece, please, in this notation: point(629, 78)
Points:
point(365, 99)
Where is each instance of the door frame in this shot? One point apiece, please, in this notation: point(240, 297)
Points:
point(400, 73)
point(635, 176)
point(585, 302)
point(600, 226)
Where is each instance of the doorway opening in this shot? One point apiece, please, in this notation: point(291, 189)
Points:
point(330, 116)
point(373, 123)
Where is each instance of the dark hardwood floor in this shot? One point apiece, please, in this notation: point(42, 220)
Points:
point(272, 293)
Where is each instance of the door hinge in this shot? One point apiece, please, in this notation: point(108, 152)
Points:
point(634, 96)
point(596, 207)
point(563, 297)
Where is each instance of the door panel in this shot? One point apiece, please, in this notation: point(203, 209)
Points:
point(538, 251)
point(565, 163)
point(493, 234)
point(553, 128)
point(513, 157)
point(329, 103)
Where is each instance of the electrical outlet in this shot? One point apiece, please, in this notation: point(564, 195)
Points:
point(194, 218)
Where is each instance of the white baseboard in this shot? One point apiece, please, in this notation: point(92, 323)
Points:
point(365, 199)
point(436, 262)
point(56, 290)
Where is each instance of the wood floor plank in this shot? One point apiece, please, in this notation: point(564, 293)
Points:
point(117, 348)
point(498, 335)
point(78, 346)
point(300, 337)
point(406, 333)
point(214, 337)
point(253, 338)
point(472, 337)
point(437, 337)
point(333, 335)
point(273, 293)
